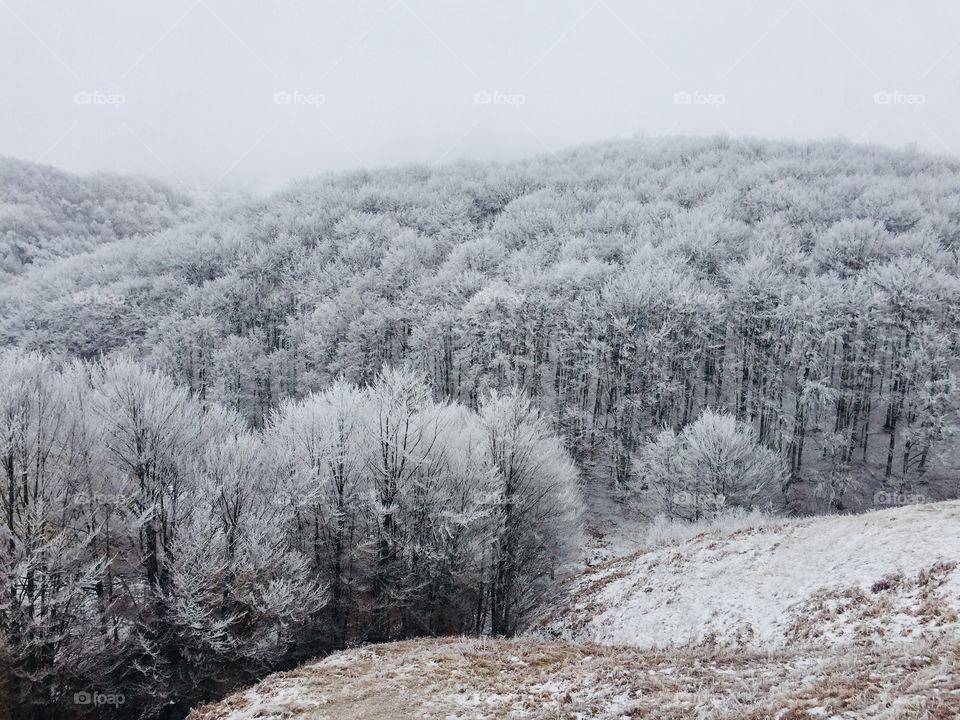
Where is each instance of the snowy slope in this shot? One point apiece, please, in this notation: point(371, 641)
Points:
point(886, 575)
point(483, 679)
point(844, 618)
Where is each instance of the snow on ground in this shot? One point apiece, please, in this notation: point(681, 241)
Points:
point(837, 618)
point(460, 678)
point(886, 575)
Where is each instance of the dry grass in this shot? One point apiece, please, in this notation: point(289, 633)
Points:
point(482, 678)
point(869, 615)
point(851, 646)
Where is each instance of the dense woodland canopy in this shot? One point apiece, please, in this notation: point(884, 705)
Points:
point(46, 214)
point(238, 432)
point(809, 290)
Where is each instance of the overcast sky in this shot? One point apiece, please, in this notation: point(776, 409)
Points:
point(213, 93)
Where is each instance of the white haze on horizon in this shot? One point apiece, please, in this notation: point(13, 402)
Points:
point(209, 94)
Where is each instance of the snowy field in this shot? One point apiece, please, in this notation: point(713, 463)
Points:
point(456, 679)
point(885, 575)
point(845, 618)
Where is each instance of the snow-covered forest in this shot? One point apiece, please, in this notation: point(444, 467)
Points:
point(810, 291)
point(46, 214)
point(239, 432)
point(163, 549)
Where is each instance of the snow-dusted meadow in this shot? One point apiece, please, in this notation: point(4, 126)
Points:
point(848, 618)
point(887, 576)
point(471, 679)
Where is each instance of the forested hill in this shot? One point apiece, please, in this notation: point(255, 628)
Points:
point(47, 214)
point(809, 290)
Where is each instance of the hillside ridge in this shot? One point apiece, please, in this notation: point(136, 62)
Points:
point(885, 575)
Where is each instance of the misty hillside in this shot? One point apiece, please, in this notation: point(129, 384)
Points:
point(809, 289)
point(841, 617)
point(46, 214)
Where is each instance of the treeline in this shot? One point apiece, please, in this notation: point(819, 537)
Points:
point(157, 551)
point(809, 290)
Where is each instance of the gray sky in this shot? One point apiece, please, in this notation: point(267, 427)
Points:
point(213, 93)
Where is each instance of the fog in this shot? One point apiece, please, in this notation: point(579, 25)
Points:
point(210, 94)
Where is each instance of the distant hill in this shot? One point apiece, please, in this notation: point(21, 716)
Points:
point(46, 214)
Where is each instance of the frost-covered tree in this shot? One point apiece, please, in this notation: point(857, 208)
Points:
point(49, 630)
point(318, 456)
point(536, 506)
point(403, 430)
point(715, 462)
